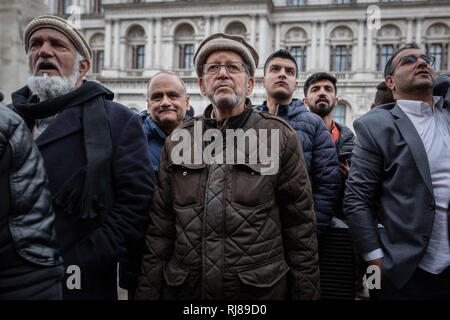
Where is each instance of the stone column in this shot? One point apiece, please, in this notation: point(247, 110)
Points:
point(277, 36)
point(253, 30)
point(409, 32)
point(419, 22)
point(117, 54)
point(158, 43)
point(360, 58)
point(149, 44)
point(448, 58)
point(216, 24)
point(123, 54)
point(108, 40)
point(170, 59)
point(207, 25)
point(262, 38)
point(313, 56)
point(369, 52)
point(323, 53)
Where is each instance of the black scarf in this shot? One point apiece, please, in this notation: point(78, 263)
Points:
point(86, 192)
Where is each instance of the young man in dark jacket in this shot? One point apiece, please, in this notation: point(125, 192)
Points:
point(320, 96)
point(280, 73)
point(96, 157)
point(30, 264)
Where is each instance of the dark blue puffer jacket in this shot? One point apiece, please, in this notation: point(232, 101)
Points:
point(320, 155)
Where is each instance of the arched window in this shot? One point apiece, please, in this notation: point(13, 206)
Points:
point(339, 113)
point(184, 41)
point(296, 43)
point(136, 47)
point(237, 28)
point(437, 44)
point(97, 44)
point(387, 40)
point(341, 48)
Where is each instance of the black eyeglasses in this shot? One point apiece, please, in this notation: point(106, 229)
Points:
point(412, 59)
point(232, 68)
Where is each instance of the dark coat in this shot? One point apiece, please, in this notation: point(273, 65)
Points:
point(95, 245)
point(230, 231)
point(320, 155)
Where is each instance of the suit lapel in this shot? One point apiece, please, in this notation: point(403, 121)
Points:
point(415, 144)
point(67, 122)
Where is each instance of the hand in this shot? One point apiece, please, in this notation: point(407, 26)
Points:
point(344, 168)
point(376, 262)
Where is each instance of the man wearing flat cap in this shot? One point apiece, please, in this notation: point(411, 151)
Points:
point(95, 154)
point(231, 220)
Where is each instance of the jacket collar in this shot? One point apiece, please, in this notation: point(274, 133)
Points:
point(287, 110)
point(228, 123)
point(151, 128)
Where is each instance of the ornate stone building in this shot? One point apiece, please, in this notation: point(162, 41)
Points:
point(352, 39)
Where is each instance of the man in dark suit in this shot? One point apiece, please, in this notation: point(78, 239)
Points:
point(96, 157)
point(398, 190)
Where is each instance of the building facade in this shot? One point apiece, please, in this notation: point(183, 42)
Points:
point(132, 40)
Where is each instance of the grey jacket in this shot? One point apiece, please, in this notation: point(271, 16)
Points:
point(390, 183)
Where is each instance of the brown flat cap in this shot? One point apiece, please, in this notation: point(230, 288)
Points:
point(62, 26)
point(222, 41)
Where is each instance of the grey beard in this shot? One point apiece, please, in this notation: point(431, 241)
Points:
point(234, 101)
point(46, 87)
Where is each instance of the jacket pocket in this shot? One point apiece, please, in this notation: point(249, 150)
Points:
point(186, 180)
point(250, 187)
point(265, 276)
point(174, 275)
point(180, 284)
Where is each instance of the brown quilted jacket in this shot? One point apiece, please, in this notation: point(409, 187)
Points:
point(225, 231)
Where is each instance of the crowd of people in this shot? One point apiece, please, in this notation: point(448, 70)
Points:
point(230, 204)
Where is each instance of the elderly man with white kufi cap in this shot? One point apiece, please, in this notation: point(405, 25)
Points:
point(95, 153)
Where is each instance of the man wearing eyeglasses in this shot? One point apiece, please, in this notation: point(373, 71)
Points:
point(400, 179)
point(231, 229)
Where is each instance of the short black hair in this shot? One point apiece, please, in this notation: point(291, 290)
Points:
point(388, 67)
point(383, 95)
point(317, 77)
point(283, 54)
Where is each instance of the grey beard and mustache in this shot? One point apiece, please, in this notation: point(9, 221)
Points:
point(234, 101)
point(46, 87)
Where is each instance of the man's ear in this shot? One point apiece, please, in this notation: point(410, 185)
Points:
point(390, 82)
point(305, 102)
point(148, 106)
point(201, 85)
point(188, 106)
point(85, 65)
point(250, 85)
